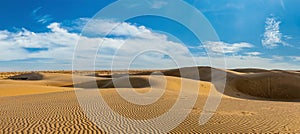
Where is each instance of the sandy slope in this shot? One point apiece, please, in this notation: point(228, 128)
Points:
point(50, 104)
point(274, 85)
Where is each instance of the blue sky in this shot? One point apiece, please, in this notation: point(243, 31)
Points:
point(42, 35)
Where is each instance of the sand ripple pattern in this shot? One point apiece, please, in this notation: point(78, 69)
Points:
point(45, 113)
point(60, 112)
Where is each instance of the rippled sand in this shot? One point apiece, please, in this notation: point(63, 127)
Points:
point(250, 103)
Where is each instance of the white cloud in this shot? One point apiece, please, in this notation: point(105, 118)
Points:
point(4, 34)
point(44, 19)
point(39, 17)
point(13, 44)
point(158, 4)
point(36, 10)
point(222, 47)
point(228, 6)
point(277, 57)
point(249, 62)
point(272, 36)
point(55, 27)
point(295, 58)
point(60, 45)
point(253, 53)
point(102, 27)
point(234, 6)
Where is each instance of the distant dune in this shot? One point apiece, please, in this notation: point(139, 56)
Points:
point(27, 76)
point(273, 84)
point(250, 70)
point(254, 100)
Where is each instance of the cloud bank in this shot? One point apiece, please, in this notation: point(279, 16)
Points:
point(53, 50)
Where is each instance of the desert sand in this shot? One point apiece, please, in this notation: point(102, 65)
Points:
point(254, 101)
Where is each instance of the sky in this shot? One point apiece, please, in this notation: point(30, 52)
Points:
point(43, 35)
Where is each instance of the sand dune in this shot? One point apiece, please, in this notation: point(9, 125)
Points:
point(17, 90)
point(134, 82)
point(46, 101)
point(27, 76)
point(274, 85)
point(250, 70)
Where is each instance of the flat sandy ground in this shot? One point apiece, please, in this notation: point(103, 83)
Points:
point(254, 101)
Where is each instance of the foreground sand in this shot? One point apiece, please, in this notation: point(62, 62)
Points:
point(51, 105)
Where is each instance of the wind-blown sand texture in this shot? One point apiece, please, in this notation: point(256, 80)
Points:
point(254, 101)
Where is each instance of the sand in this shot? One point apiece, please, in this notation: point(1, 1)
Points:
point(254, 101)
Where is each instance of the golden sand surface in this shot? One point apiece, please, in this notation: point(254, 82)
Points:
point(254, 101)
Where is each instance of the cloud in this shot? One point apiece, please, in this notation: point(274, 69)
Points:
point(258, 62)
point(55, 27)
point(253, 53)
point(40, 18)
point(215, 7)
point(226, 48)
point(234, 6)
point(14, 44)
point(295, 58)
point(58, 45)
point(36, 10)
point(158, 4)
point(102, 27)
point(272, 36)
point(44, 19)
point(249, 62)
point(282, 4)
point(277, 57)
